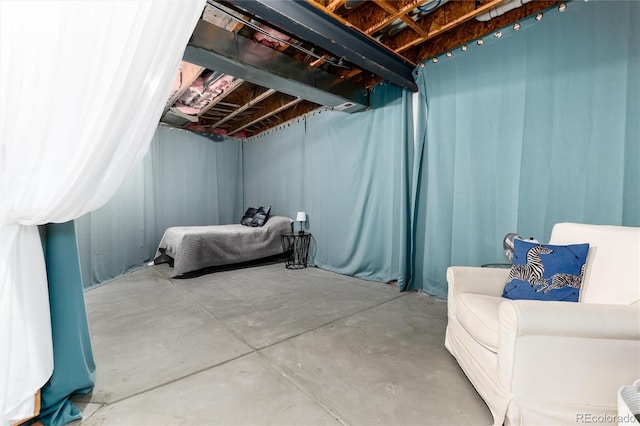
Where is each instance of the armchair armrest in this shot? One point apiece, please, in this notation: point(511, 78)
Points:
point(473, 279)
point(571, 352)
point(546, 318)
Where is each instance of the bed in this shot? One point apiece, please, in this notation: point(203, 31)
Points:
point(191, 248)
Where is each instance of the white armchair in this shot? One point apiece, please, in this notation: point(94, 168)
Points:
point(541, 362)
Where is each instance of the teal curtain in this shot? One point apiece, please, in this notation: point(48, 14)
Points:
point(350, 173)
point(537, 127)
point(74, 372)
point(184, 180)
point(196, 181)
point(119, 235)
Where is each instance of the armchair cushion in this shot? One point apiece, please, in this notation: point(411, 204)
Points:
point(546, 272)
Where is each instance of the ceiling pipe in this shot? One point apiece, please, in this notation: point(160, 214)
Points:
point(352, 4)
point(501, 10)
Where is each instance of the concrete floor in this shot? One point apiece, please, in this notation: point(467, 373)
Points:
point(270, 346)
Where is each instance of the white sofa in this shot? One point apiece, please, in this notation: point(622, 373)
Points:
point(542, 362)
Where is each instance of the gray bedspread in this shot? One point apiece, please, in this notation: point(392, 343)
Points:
point(197, 247)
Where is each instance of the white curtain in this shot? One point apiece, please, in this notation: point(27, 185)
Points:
point(83, 86)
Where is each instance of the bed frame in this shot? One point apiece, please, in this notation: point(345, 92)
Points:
point(191, 248)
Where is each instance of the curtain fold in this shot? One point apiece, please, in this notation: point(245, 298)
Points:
point(534, 128)
point(74, 368)
point(83, 85)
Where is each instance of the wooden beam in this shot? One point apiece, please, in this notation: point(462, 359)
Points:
point(186, 75)
point(228, 104)
point(329, 12)
point(244, 107)
point(317, 62)
point(335, 4)
point(392, 16)
point(277, 105)
point(297, 110)
point(415, 27)
point(226, 92)
point(389, 8)
point(223, 17)
point(443, 19)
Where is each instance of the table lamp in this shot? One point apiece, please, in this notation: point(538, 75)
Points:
point(301, 217)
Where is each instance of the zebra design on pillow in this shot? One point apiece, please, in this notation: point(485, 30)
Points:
point(563, 280)
point(546, 272)
point(533, 270)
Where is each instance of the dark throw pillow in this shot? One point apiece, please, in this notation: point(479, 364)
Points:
point(261, 216)
point(546, 272)
point(248, 216)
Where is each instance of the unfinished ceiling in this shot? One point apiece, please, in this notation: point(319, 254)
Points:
point(254, 64)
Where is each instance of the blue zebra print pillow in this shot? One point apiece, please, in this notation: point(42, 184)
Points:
point(546, 272)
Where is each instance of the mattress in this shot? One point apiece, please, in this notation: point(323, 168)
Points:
point(196, 247)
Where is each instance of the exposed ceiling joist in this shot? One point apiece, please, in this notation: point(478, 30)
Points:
point(474, 29)
point(270, 111)
point(226, 92)
point(244, 107)
point(456, 13)
point(296, 55)
point(391, 16)
point(391, 9)
point(335, 4)
point(310, 23)
point(187, 74)
point(223, 17)
point(216, 48)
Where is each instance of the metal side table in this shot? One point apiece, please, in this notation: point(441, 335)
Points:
point(296, 246)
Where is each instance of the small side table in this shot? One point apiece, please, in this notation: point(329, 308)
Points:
point(296, 246)
point(497, 265)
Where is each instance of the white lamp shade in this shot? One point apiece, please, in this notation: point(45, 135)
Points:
point(301, 217)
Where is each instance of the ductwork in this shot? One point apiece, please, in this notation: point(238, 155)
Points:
point(501, 10)
point(201, 92)
point(176, 118)
point(352, 4)
point(311, 24)
point(215, 48)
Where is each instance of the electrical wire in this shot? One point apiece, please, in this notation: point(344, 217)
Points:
point(427, 7)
